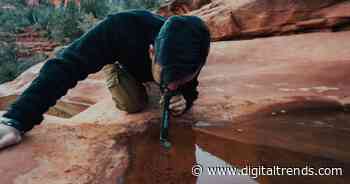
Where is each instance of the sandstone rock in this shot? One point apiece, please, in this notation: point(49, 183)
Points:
point(85, 94)
point(290, 62)
point(91, 147)
point(246, 19)
point(58, 153)
point(179, 7)
point(31, 41)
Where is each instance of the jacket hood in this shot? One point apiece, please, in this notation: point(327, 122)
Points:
point(181, 47)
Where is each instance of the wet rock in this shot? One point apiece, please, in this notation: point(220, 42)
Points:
point(203, 124)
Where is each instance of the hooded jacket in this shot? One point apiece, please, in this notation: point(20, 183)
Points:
point(182, 47)
point(124, 37)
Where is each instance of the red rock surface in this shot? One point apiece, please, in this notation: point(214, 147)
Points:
point(246, 19)
point(85, 94)
point(243, 80)
point(179, 7)
point(32, 42)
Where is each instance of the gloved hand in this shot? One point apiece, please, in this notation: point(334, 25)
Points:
point(177, 105)
point(8, 135)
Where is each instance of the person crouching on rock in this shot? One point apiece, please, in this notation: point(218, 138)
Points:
point(146, 46)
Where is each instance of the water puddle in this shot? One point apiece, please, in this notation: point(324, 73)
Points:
point(206, 160)
point(316, 140)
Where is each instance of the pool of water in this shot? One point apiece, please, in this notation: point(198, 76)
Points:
point(206, 160)
point(211, 146)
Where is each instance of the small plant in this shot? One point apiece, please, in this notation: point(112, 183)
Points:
point(8, 62)
point(13, 18)
point(98, 8)
point(71, 18)
point(40, 16)
point(141, 4)
point(11, 66)
point(87, 22)
point(62, 24)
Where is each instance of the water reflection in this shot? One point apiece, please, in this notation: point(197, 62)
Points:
point(291, 144)
point(206, 159)
point(151, 164)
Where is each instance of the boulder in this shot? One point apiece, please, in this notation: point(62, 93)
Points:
point(179, 7)
point(243, 81)
point(247, 19)
point(58, 153)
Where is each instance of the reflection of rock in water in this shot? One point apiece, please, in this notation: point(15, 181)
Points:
point(282, 140)
point(286, 140)
point(151, 163)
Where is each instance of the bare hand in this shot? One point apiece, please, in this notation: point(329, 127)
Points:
point(8, 135)
point(177, 105)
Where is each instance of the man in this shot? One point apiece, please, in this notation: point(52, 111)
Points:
point(146, 47)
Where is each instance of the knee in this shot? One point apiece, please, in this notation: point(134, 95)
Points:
point(131, 107)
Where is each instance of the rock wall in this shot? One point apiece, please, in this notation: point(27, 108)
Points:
point(247, 19)
point(180, 7)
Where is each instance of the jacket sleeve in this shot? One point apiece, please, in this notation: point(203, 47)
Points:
point(190, 93)
point(84, 56)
